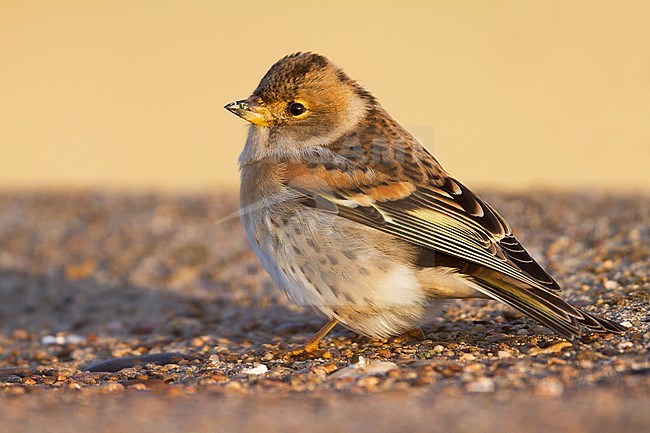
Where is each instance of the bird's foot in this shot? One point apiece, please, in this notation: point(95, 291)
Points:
point(311, 348)
point(306, 351)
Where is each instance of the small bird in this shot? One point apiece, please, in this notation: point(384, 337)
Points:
point(356, 220)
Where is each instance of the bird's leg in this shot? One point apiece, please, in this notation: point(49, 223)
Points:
point(310, 346)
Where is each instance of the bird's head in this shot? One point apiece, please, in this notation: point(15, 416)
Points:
point(304, 99)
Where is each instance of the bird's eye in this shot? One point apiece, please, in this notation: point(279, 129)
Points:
point(296, 108)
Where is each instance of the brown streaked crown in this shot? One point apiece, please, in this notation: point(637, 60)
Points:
point(310, 79)
point(288, 74)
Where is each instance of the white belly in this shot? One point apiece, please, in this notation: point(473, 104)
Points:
point(334, 266)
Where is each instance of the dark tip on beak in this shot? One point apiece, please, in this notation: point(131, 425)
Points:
point(250, 110)
point(236, 107)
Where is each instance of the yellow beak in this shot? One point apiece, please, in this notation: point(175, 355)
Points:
point(251, 110)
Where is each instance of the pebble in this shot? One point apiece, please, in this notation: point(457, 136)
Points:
point(549, 387)
point(364, 367)
point(234, 387)
point(480, 385)
point(20, 334)
point(260, 369)
point(62, 339)
point(368, 383)
point(111, 387)
point(467, 357)
point(554, 348)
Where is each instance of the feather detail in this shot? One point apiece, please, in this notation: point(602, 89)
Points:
point(430, 217)
point(353, 176)
point(439, 215)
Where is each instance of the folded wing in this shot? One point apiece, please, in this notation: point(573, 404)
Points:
point(448, 223)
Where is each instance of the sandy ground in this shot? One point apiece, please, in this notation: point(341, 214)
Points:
point(135, 312)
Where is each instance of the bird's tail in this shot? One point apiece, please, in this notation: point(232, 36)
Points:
point(543, 306)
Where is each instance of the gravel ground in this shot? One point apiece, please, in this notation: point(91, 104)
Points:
point(136, 312)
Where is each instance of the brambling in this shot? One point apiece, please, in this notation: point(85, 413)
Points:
point(353, 218)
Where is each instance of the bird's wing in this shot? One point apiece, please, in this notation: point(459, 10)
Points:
point(414, 199)
point(433, 211)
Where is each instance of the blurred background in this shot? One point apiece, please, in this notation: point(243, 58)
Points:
point(507, 94)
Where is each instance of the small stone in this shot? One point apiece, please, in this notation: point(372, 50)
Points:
point(199, 341)
point(80, 271)
point(610, 284)
point(607, 265)
point(368, 383)
point(555, 348)
point(232, 357)
point(625, 345)
point(385, 353)
point(473, 367)
point(480, 385)
point(511, 314)
point(549, 387)
point(12, 379)
point(438, 348)
point(138, 386)
point(364, 367)
point(219, 377)
point(504, 354)
point(234, 387)
point(17, 390)
point(20, 334)
point(48, 380)
point(588, 355)
point(112, 387)
point(260, 369)
point(51, 339)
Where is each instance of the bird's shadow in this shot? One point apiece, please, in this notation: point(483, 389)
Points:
point(36, 308)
